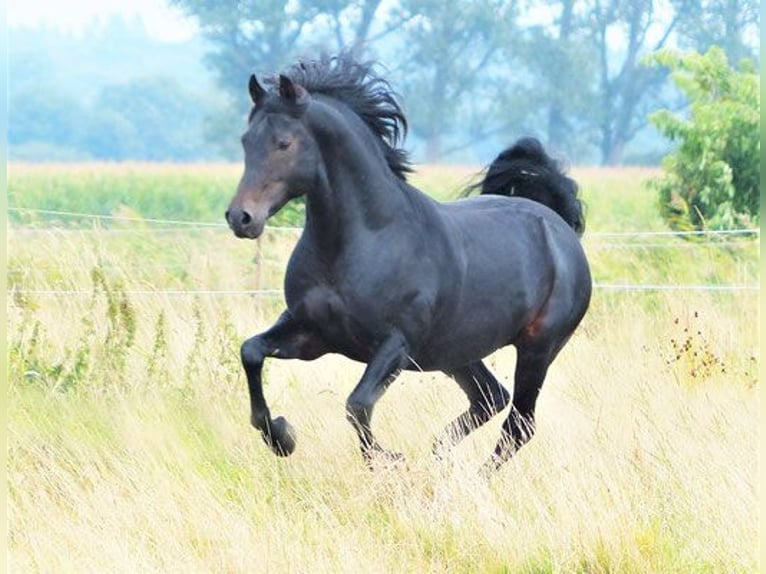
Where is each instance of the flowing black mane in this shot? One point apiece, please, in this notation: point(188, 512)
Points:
point(371, 97)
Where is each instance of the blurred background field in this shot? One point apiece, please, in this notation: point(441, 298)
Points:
point(184, 204)
point(129, 443)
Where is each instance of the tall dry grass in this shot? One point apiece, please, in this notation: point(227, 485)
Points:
point(130, 449)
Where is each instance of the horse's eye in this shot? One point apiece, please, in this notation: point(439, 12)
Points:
point(283, 144)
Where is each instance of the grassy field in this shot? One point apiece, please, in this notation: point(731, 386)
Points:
point(130, 450)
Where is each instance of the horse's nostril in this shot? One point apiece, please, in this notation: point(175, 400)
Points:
point(238, 217)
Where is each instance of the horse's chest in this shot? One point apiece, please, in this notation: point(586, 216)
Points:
point(356, 302)
point(320, 306)
point(338, 322)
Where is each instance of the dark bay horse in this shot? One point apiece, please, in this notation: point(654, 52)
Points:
point(386, 275)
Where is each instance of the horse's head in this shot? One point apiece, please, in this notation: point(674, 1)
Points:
point(281, 157)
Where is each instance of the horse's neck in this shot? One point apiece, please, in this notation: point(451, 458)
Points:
point(355, 191)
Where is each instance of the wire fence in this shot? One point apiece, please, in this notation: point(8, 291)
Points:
point(717, 239)
point(258, 293)
point(170, 224)
point(278, 293)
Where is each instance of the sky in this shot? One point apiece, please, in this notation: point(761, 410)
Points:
point(161, 21)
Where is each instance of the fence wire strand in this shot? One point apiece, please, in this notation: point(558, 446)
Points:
point(274, 293)
point(171, 225)
point(215, 225)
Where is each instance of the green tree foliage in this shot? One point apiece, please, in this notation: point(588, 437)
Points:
point(149, 118)
point(712, 179)
point(264, 36)
point(624, 88)
point(128, 97)
point(473, 75)
point(44, 116)
point(447, 57)
point(561, 53)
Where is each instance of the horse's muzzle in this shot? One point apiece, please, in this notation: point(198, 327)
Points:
point(244, 224)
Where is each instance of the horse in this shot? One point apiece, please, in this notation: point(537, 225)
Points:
point(386, 275)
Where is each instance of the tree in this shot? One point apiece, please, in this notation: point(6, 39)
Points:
point(350, 21)
point(622, 32)
point(448, 55)
point(149, 118)
point(712, 179)
point(473, 70)
point(566, 75)
point(580, 65)
point(558, 56)
point(734, 25)
point(44, 115)
point(264, 36)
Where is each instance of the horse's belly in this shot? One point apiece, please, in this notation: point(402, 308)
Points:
point(484, 319)
point(447, 351)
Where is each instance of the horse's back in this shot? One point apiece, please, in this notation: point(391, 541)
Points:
point(519, 227)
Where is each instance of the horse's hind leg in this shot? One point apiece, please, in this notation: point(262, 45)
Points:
point(532, 364)
point(486, 397)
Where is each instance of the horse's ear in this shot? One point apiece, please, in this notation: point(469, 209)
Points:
point(292, 92)
point(257, 93)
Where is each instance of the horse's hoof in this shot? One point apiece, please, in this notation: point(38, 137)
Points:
point(491, 467)
point(441, 449)
point(379, 458)
point(280, 437)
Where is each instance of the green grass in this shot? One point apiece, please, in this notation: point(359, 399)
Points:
point(130, 450)
point(195, 193)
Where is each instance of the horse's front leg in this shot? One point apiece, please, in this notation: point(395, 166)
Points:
point(388, 361)
point(287, 339)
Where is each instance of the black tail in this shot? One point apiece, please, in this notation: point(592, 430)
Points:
point(526, 170)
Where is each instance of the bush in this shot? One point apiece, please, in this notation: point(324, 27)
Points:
point(712, 179)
